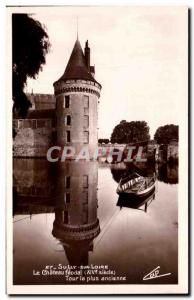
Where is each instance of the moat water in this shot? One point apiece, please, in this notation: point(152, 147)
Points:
point(70, 216)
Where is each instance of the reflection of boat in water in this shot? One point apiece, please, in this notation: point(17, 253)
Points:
point(134, 201)
point(136, 184)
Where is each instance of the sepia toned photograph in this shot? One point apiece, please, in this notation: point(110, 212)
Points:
point(98, 186)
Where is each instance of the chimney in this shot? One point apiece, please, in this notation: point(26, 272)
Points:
point(87, 55)
point(92, 70)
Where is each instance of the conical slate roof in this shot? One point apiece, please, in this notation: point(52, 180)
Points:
point(76, 67)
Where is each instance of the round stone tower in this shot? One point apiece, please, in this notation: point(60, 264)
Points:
point(76, 224)
point(77, 94)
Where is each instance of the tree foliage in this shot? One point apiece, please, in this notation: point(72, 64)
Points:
point(165, 134)
point(30, 44)
point(130, 132)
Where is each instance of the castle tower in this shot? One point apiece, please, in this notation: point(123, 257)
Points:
point(76, 224)
point(77, 94)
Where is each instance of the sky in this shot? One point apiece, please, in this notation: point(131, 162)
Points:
point(139, 53)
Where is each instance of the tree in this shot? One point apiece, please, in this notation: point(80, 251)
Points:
point(30, 44)
point(130, 132)
point(165, 134)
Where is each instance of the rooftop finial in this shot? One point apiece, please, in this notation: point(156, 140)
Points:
point(77, 29)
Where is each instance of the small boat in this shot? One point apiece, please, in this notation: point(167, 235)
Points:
point(136, 184)
point(135, 202)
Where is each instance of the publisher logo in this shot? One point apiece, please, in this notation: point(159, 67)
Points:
point(155, 274)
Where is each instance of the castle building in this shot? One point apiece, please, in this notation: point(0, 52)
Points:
point(67, 118)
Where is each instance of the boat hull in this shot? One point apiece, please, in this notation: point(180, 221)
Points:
point(139, 194)
point(134, 201)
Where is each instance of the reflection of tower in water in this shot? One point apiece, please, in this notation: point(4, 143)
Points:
point(76, 223)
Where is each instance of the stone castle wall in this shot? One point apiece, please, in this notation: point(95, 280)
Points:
point(33, 142)
point(33, 185)
point(42, 101)
point(36, 133)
